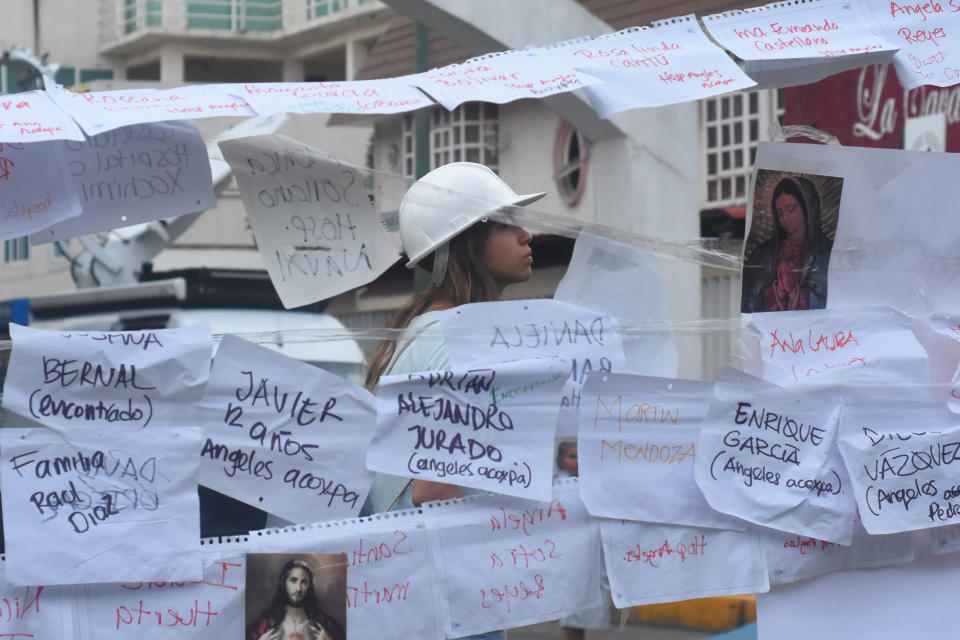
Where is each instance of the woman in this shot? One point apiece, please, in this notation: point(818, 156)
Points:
point(444, 227)
point(788, 272)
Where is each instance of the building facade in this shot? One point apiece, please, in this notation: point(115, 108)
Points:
point(649, 172)
point(123, 44)
point(673, 173)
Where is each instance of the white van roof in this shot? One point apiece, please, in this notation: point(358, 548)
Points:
point(312, 337)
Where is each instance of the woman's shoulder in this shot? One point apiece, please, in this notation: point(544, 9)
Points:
point(425, 319)
point(421, 347)
point(424, 327)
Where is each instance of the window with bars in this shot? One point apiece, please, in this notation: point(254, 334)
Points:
point(467, 134)
point(240, 15)
point(16, 250)
point(732, 125)
point(141, 13)
point(321, 8)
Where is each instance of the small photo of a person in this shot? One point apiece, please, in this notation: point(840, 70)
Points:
point(567, 466)
point(296, 596)
point(787, 254)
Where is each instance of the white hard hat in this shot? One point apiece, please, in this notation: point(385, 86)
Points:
point(449, 200)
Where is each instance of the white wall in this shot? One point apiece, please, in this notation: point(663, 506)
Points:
point(647, 183)
point(663, 198)
point(42, 273)
point(68, 30)
point(527, 134)
point(388, 146)
point(17, 24)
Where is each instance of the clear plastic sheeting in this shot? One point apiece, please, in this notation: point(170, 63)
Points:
point(782, 134)
point(749, 346)
point(710, 252)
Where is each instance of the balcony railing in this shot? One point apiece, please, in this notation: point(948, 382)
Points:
point(124, 19)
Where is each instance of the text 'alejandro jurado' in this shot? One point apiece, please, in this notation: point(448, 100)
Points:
point(444, 409)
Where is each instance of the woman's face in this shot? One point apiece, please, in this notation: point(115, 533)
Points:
point(569, 461)
point(507, 255)
point(790, 214)
point(297, 584)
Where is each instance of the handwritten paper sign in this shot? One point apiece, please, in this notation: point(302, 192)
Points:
point(33, 117)
point(486, 428)
point(99, 111)
point(866, 351)
point(491, 332)
point(671, 62)
point(502, 562)
point(67, 379)
point(501, 77)
point(638, 431)
point(927, 34)
point(487, 332)
point(354, 96)
point(33, 611)
point(145, 610)
point(900, 457)
point(792, 557)
point(601, 264)
point(219, 100)
point(389, 576)
point(790, 30)
point(102, 506)
point(313, 217)
point(940, 337)
point(789, 43)
point(34, 193)
point(650, 563)
point(954, 400)
point(134, 174)
point(285, 436)
point(767, 455)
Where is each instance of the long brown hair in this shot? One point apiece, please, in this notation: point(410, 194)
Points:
point(467, 280)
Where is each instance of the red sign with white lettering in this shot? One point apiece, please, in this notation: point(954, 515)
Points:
point(867, 107)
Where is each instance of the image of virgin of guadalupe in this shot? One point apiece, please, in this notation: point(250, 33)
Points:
point(787, 271)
